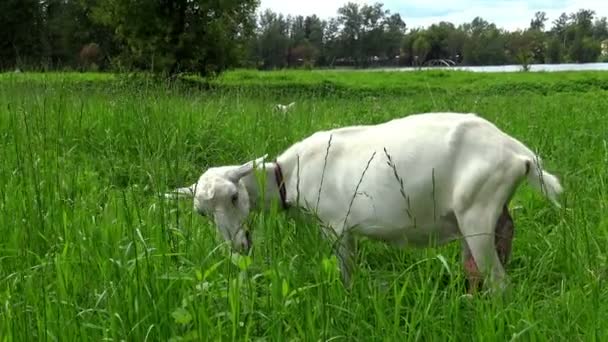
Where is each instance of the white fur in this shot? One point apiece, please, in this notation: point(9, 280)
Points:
point(284, 108)
point(457, 172)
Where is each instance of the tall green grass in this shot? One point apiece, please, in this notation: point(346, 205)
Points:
point(413, 83)
point(90, 251)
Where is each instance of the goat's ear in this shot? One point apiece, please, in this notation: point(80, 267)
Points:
point(181, 192)
point(208, 193)
point(245, 169)
point(259, 160)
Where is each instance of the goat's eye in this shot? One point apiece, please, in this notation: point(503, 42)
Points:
point(235, 198)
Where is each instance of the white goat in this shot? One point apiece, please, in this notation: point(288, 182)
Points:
point(284, 108)
point(422, 180)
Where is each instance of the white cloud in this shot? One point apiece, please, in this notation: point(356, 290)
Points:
point(508, 14)
point(322, 8)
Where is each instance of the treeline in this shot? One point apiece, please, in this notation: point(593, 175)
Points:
point(207, 37)
point(370, 35)
point(169, 36)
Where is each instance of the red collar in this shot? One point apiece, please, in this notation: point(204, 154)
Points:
point(278, 175)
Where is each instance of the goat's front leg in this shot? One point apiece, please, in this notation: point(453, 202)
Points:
point(345, 252)
point(345, 249)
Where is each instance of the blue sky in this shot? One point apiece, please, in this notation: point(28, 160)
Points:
point(509, 14)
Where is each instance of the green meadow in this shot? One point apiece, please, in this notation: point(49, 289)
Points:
point(90, 250)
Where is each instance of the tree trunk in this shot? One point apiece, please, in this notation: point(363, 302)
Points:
point(178, 21)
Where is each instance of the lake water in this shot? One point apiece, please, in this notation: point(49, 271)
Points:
point(513, 68)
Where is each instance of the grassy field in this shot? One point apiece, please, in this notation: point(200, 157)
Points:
point(90, 251)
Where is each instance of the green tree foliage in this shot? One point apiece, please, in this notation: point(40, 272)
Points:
point(575, 32)
point(21, 24)
point(600, 29)
point(313, 31)
point(421, 48)
point(69, 29)
point(554, 50)
point(273, 40)
point(484, 44)
point(306, 41)
point(392, 37)
point(331, 41)
point(351, 20)
point(584, 49)
point(528, 44)
point(208, 36)
point(179, 35)
point(363, 35)
point(538, 22)
point(369, 34)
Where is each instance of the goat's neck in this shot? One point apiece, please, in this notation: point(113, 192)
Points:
point(289, 162)
point(271, 191)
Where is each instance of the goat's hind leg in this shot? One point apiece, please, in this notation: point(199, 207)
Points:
point(484, 219)
point(474, 277)
point(503, 237)
point(477, 226)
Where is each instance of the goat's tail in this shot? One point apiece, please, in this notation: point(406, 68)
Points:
point(543, 181)
point(184, 192)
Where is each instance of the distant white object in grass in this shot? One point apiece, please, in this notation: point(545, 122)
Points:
point(422, 180)
point(284, 108)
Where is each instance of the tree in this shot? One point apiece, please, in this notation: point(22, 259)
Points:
point(554, 51)
point(584, 49)
point(297, 31)
point(600, 29)
point(351, 20)
point(560, 26)
point(69, 29)
point(209, 36)
point(395, 31)
point(304, 54)
point(484, 44)
point(373, 31)
point(273, 40)
point(173, 36)
point(331, 41)
point(583, 20)
point(526, 47)
point(21, 42)
point(438, 36)
point(538, 22)
point(421, 48)
point(313, 30)
point(456, 40)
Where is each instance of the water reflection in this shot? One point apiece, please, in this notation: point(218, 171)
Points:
point(513, 68)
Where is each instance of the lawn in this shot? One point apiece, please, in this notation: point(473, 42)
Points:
point(89, 250)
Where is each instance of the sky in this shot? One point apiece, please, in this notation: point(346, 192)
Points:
point(508, 14)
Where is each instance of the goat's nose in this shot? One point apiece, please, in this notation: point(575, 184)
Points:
point(247, 243)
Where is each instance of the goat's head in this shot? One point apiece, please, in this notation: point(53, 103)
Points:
point(220, 195)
